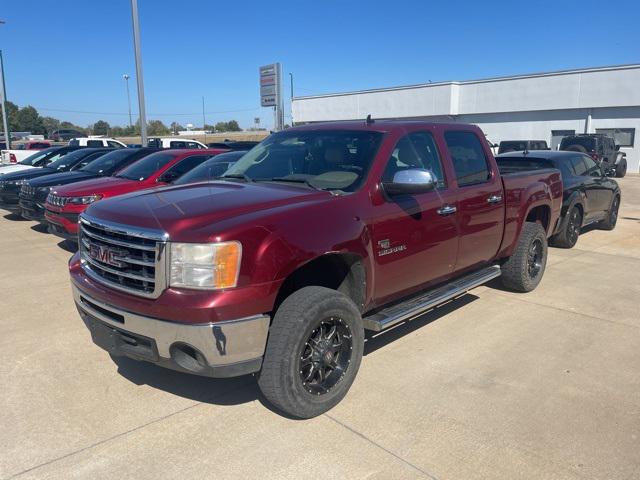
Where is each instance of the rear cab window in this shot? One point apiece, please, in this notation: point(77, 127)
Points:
point(469, 159)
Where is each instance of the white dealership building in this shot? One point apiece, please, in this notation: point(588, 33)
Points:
point(541, 106)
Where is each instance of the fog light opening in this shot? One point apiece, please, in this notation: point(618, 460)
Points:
point(188, 357)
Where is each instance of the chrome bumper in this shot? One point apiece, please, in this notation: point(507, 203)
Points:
point(221, 349)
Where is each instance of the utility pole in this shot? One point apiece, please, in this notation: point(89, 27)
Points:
point(139, 80)
point(204, 122)
point(126, 79)
point(7, 130)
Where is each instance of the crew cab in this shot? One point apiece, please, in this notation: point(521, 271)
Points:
point(11, 183)
point(175, 142)
point(34, 193)
point(65, 203)
point(22, 151)
point(97, 142)
point(314, 236)
point(589, 196)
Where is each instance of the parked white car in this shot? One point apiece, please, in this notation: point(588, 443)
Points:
point(22, 151)
point(96, 142)
point(175, 142)
point(37, 159)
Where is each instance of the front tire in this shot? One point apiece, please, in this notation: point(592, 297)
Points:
point(313, 353)
point(609, 223)
point(568, 237)
point(524, 269)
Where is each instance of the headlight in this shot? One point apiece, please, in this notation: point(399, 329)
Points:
point(209, 266)
point(84, 200)
point(19, 182)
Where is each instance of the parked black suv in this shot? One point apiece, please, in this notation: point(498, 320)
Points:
point(522, 145)
point(602, 148)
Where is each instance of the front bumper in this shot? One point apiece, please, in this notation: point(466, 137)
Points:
point(9, 201)
point(220, 349)
point(64, 225)
point(31, 210)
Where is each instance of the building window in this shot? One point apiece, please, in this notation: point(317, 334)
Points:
point(558, 135)
point(622, 136)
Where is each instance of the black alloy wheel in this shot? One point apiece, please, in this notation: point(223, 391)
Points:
point(613, 212)
point(325, 356)
point(534, 259)
point(574, 224)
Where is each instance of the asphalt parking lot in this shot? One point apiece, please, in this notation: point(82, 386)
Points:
point(493, 385)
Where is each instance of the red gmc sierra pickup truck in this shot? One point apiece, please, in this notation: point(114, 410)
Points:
point(314, 236)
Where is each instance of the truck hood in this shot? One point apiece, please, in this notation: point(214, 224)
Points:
point(183, 210)
point(5, 169)
point(105, 186)
point(62, 178)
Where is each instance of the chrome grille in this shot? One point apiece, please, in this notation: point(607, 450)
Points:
point(27, 191)
point(121, 258)
point(57, 200)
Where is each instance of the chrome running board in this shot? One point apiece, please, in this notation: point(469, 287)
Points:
point(417, 305)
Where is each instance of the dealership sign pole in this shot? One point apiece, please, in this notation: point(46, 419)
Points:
point(7, 130)
point(270, 91)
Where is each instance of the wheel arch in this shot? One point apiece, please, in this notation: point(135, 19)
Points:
point(345, 272)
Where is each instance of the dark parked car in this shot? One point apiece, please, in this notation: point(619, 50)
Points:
point(589, 195)
point(212, 168)
point(232, 145)
point(600, 147)
point(66, 134)
point(11, 183)
point(33, 194)
point(521, 145)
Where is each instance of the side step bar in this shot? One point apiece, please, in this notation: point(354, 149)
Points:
point(416, 305)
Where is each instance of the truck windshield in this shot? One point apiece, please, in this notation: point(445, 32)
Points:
point(143, 169)
point(321, 159)
point(109, 163)
point(65, 162)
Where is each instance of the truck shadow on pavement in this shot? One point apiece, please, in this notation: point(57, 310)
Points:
point(239, 390)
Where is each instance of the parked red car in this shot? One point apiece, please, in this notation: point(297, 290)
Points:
point(65, 203)
point(314, 236)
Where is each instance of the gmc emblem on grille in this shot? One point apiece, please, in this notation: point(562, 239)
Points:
point(105, 255)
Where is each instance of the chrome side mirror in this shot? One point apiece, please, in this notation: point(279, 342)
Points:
point(410, 182)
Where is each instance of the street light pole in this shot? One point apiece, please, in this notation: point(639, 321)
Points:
point(126, 79)
point(291, 77)
point(136, 46)
point(7, 130)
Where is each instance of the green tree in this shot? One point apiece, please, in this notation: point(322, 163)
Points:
point(50, 124)
point(232, 126)
point(12, 111)
point(101, 128)
point(156, 127)
point(29, 120)
point(73, 126)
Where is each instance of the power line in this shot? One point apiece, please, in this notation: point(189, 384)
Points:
point(88, 112)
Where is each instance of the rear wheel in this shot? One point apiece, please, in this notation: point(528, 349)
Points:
point(568, 237)
point(524, 269)
point(621, 168)
point(314, 352)
point(609, 223)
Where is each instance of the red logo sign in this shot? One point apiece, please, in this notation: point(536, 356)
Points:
point(104, 255)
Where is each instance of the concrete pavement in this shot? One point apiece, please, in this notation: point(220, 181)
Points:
point(494, 385)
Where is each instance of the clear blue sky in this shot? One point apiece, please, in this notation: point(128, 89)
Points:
point(69, 55)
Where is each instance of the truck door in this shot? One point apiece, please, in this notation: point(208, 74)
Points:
point(414, 236)
point(480, 212)
point(587, 185)
point(600, 191)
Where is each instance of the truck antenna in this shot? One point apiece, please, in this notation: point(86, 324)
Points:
point(369, 120)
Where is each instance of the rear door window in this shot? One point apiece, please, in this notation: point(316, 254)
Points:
point(178, 145)
point(469, 159)
point(95, 143)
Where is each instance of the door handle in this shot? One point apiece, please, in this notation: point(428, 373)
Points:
point(494, 199)
point(447, 210)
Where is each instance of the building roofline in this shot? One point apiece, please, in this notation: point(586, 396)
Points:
point(629, 66)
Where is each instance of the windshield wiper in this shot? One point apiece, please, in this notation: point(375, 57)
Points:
point(241, 176)
point(294, 180)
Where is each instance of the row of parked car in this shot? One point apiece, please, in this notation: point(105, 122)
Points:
point(275, 261)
